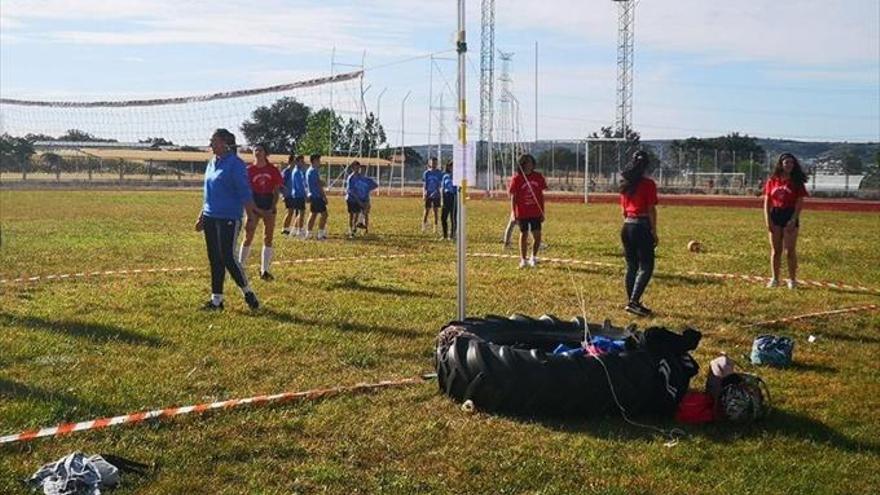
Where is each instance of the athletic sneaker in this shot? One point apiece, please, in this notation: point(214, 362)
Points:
point(321, 237)
point(772, 283)
point(636, 309)
point(533, 262)
point(267, 276)
point(523, 264)
point(251, 299)
point(424, 227)
point(210, 306)
point(285, 232)
point(645, 308)
point(792, 284)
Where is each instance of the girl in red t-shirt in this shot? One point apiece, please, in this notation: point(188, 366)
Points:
point(638, 200)
point(784, 195)
point(527, 203)
point(266, 182)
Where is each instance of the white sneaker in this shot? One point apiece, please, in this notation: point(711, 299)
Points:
point(424, 227)
point(523, 264)
point(533, 261)
point(321, 236)
point(792, 284)
point(772, 283)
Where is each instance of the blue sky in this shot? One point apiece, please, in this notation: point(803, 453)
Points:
point(801, 69)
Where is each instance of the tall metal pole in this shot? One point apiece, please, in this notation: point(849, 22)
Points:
point(378, 123)
point(440, 134)
point(430, 104)
point(332, 112)
point(402, 136)
point(461, 238)
point(587, 171)
point(487, 91)
point(536, 95)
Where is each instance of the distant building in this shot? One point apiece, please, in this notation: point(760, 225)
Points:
point(834, 183)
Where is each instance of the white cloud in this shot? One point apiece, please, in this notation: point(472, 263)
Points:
point(806, 32)
point(277, 25)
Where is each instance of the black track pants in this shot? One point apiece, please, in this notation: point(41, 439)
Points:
point(638, 246)
point(220, 238)
point(449, 206)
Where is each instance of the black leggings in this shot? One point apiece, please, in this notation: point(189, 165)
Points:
point(449, 205)
point(638, 245)
point(220, 238)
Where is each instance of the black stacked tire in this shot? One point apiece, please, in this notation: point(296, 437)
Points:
point(507, 365)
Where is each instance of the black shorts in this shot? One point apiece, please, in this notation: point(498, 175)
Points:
point(529, 224)
point(781, 216)
point(354, 207)
point(432, 202)
point(265, 201)
point(295, 203)
point(318, 204)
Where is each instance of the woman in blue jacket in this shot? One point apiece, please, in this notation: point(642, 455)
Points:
point(227, 192)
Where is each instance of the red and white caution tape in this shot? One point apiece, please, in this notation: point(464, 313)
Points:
point(854, 309)
point(138, 417)
point(728, 276)
point(139, 271)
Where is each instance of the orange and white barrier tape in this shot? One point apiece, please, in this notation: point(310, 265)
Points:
point(134, 418)
point(728, 276)
point(854, 309)
point(138, 271)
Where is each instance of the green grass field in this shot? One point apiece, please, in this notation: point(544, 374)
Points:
point(72, 350)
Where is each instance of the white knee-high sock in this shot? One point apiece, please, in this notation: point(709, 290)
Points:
point(243, 254)
point(267, 259)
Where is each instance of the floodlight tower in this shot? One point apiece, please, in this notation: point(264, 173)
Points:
point(505, 100)
point(487, 82)
point(626, 17)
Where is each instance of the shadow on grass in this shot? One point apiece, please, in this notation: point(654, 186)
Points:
point(351, 283)
point(67, 405)
point(97, 332)
point(592, 270)
point(687, 279)
point(343, 326)
point(14, 390)
point(793, 426)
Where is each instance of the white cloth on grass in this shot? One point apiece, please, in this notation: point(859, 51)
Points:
point(75, 474)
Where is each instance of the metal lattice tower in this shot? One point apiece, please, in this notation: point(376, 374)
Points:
point(626, 16)
point(487, 84)
point(508, 106)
